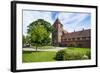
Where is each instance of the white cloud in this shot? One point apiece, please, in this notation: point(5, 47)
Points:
point(71, 21)
point(30, 16)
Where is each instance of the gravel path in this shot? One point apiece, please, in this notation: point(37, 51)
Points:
point(56, 49)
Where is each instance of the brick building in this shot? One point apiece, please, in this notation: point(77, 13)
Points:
point(61, 37)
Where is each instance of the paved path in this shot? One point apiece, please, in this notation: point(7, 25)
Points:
point(52, 49)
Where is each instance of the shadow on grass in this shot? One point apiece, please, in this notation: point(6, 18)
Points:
point(28, 52)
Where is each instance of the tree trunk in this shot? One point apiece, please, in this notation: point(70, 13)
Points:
point(36, 47)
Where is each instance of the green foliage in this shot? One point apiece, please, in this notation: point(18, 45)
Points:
point(39, 36)
point(85, 57)
point(88, 53)
point(39, 32)
point(26, 40)
point(60, 55)
point(46, 24)
point(77, 53)
point(23, 40)
point(70, 55)
point(73, 54)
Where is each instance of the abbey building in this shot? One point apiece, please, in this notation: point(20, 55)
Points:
point(60, 37)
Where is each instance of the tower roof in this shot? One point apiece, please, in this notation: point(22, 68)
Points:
point(57, 21)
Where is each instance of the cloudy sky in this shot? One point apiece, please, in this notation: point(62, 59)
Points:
point(71, 20)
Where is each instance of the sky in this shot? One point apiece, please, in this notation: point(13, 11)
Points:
point(72, 21)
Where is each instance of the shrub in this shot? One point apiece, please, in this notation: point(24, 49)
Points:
point(60, 55)
point(88, 53)
point(73, 55)
point(85, 57)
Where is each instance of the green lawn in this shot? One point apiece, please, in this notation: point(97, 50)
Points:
point(45, 56)
point(38, 56)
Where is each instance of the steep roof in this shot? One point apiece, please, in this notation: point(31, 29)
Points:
point(57, 21)
point(83, 33)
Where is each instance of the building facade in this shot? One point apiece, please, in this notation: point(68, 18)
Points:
point(60, 37)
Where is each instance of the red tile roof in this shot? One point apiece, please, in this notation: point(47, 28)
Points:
point(83, 33)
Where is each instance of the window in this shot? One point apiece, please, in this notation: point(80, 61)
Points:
point(78, 38)
point(83, 38)
point(69, 39)
point(87, 38)
point(73, 39)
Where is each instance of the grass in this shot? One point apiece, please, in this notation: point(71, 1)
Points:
point(38, 56)
point(45, 56)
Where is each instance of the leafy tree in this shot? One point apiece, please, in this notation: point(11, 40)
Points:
point(39, 32)
point(39, 36)
point(26, 40)
point(46, 24)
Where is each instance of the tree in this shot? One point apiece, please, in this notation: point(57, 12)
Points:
point(39, 32)
point(26, 40)
point(39, 36)
point(46, 24)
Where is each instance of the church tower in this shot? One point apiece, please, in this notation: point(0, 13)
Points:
point(56, 35)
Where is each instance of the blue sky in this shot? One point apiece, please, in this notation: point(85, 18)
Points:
point(71, 20)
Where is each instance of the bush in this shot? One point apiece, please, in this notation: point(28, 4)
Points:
point(60, 55)
point(88, 53)
point(85, 57)
point(73, 56)
point(68, 55)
